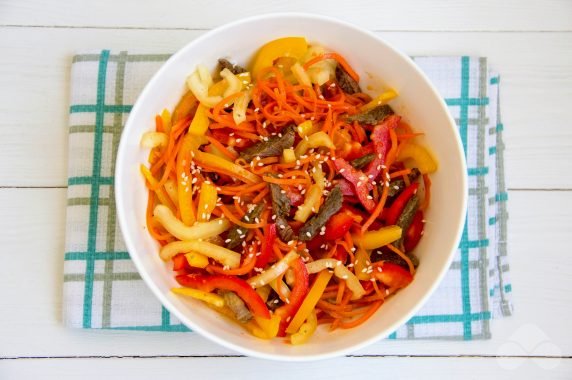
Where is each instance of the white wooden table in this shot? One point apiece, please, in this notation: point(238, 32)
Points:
point(529, 42)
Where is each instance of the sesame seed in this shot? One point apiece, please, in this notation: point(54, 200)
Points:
point(227, 241)
point(282, 226)
point(396, 187)
point(342, 170)
point(308, 234)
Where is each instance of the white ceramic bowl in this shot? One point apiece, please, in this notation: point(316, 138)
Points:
point(418, 103)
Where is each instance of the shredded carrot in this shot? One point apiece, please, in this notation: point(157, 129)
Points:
point(358, 321)
point(341, 290)
point(399, 173)
point(222, 148)
point(237, 221)
point(341, 60)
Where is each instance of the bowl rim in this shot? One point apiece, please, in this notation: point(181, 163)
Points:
point(120, 190)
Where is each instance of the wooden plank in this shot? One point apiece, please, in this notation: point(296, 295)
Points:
point(536, 73)
point(31, 281)
point(247, 368)
point(419, 15)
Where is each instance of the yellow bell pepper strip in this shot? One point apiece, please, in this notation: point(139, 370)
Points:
point(211, 298)
point(307, 128)
point(234, 84)
point(274, 271)
point(197, 260)
point(424, 161)
point(351, 280)
point(314, 141)
point(306, 330)
point(341, 272)
point(199, 82)
point(154, 139)
point(183, 232)
point(256, 330)
point(161, 194)
point(322, 264)
point(301, 75)
point(219, 87)
point(318, 176)
point(171, 189)
point(211, 148)
point(184, 182)
point(269, 326)
point(379, 238)
point(310, 205)
point(251, 326)
point(200, 123)
point(280, 287)
point(207, 201)
point(264, 292)
point(294, 47)
point(185, 107)
point(210, 161)
point(288, 156)
point(208, 283)
point(240, 106)
point(220, 254)
point(382, 98)
point(166, 117)
point(310, 301)
point(361, 266)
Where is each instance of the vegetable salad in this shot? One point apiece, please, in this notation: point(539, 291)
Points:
point(285, 197)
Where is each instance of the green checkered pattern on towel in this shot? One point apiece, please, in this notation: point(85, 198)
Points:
point(102, 288)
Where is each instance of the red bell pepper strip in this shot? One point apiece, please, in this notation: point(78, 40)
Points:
point(380, 138)
point(393, 275)
point(180, 263)
point(297, 296)
point(231, 283)
point(338, 225)
point(399, 203)
point(266, 251)
point(414, 232)
point(346, 188)
point(341, 254)
point(360, 181)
